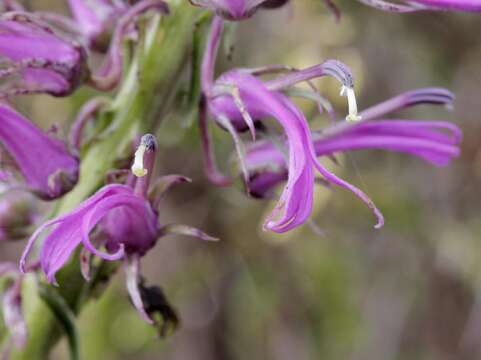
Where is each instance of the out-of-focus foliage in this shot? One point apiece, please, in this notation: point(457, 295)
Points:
point(344, 290)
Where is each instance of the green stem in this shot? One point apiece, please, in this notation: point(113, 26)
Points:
point(144, 94)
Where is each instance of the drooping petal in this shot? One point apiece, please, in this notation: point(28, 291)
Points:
point(295, 203)
point(162, 185)
point(459, 5)
point(417, 5)
point(436, 142)
point(128, 221)
point(60, 243)
point(431, 95)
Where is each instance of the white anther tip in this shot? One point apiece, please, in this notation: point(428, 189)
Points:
point(138, 168)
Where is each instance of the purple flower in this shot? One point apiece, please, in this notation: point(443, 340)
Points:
point(44, 61)
point(238, 100)
point(47, 166)
point(436, 142)
point(418, 5)
point(128, 223)
point(96, 18)
point(41, 60)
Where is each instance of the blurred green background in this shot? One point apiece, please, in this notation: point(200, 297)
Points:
point(411, 290)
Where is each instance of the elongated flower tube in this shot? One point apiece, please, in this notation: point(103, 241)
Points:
point(436, 142)
point(96, 19)
point(42, 59)
point(49, 169)
point(128, 223)
point(418, 5)
point(295, 203)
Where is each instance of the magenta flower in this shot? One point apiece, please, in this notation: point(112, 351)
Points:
point(49, 169)
point(96, 18)
point(436, 142)
point(418, 5)
point(127, 220)
point(40, 60)
point(43, 60)
point(238, 97)
point(295, 203)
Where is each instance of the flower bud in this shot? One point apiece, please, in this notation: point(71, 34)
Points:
point(43, 60)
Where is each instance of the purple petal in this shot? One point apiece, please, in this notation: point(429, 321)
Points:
point(129, 223)
point(47, 166)
point(437, 96)
point(434, 141)
point(459, 5)
point(59, 244)
point(295, 203)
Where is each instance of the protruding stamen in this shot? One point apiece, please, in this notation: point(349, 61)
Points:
point(147, 143)
point(138, 165)
point(351, 102)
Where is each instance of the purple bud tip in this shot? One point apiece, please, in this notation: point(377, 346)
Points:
point(438, 96)
point(149, 141)
point(148, 145)
point(340, 71)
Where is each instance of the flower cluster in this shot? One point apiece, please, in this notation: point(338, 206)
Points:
point(436, 142)
point(46, 53)
point(240, 100)
point(127, 217)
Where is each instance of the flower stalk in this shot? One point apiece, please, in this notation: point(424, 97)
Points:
point(136, 106)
